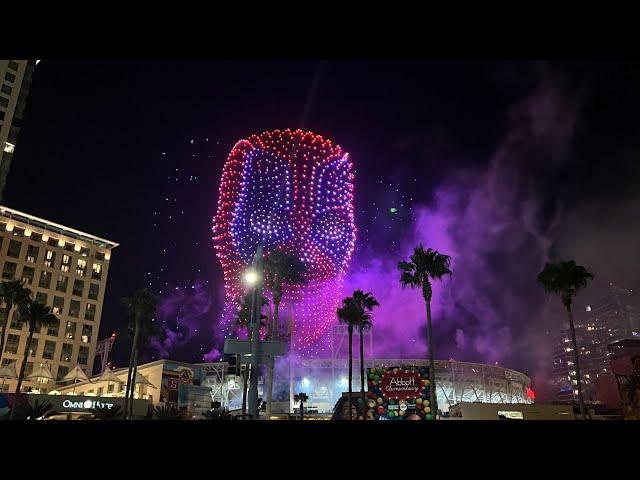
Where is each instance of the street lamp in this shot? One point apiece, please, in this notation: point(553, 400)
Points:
point(251, 277)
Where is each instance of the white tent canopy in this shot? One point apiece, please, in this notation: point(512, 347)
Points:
point(9, 371)
point(41, 372)
point(77, 375)
point(109, 376)
point(142, 380)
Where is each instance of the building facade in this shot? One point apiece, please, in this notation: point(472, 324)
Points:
point(66, 269)
point(15, 78)
point(597, 325)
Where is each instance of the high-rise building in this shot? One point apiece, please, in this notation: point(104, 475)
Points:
point(15, 78)
point(66, 269)
point(597, 325)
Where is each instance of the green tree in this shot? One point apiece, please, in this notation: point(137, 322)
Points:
point(366, 303)
point(141, 308)
point(350, 314)
point(243, 320)
point(566, 279)
point(35, 315)
point(166, 412)
point(423, 267)
point(12, 294)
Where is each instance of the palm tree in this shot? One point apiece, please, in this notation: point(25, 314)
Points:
point(280, 268)
point(423, 267)
point(167, 412)
point(35, 315)
point(141, 306)
point(566, 279)
point(350, 314)
point(243, 320)
point(366, 302)
point(13, 294)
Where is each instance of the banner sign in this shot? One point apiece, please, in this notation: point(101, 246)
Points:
point(398, 393)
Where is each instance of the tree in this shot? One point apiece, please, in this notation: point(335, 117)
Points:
point(35, 315)
point(167, 412)
point(302, 398)
point(280, 268)
point(141, 307)
point(243, 320)
point(350, 315)
point(13, 294)
point(366, 303)
point(423, 267)
point(566, 279)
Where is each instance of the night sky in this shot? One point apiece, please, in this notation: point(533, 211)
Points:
point(133, 150)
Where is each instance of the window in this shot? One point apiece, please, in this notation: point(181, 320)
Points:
point(82, 267)
point(52, 329)
point(70, 331)
point(14, 248)
point(11, 345)
point(32, 254)
point(9, 77)
point(52, 241)
point(65, 354)
point(100, 256)
point(49, 350)
point(94, 290)
point(83, 355)
point(78, 287)
point(49, 258)
point(6, 89)
point(6, 361)
point(110, 388)
point(4, 102)
point(27, 275)
point(63, 282)
point(41, 297)
point(100, 390)
point(13, 65)
point(84, 251)
point(28, 369)
point(66, 261)
point(58, 305)
point(62, 371)
point(17, 231)
point(9, 270)
point(69, 247)
point(90, 312)
point(45, 279)
point(15, 321)
point(96, 274)
point(36, 237)
point(33, 347)
point(74, 309)
point(86, 333)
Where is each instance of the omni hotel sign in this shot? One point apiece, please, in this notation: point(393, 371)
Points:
point(86, 405)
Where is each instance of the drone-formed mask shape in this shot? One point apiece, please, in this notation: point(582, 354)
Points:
point(292, 190)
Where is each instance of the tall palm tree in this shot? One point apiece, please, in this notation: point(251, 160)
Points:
point(366, 303)
point(243, 320)
point(423, 267)
point(35, 315)
point(13, 294)
point(566, 279)
point(141, 307)
point(350, 315)
point(280, 268)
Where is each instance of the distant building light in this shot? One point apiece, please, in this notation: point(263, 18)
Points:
point(9, 147)
point(38, 61)
point(588, 308)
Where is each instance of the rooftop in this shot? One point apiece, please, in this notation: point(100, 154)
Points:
point(48, 226)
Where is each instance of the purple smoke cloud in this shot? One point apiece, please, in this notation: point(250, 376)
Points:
point(498, 230)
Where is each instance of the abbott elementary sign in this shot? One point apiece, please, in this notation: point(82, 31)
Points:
point(401, 384)
point(86, 405)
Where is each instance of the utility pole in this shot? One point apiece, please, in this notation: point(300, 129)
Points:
point(256, 310)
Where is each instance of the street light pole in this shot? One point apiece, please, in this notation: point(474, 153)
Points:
point(256, 309)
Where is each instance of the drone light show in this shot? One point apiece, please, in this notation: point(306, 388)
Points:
point(290, 190)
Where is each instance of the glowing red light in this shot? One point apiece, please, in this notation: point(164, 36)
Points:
point(530, 393)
